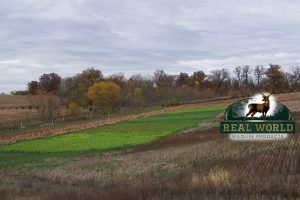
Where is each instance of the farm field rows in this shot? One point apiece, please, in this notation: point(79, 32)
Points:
point(197, 164)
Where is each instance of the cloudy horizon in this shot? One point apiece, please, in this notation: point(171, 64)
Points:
point(134, 36)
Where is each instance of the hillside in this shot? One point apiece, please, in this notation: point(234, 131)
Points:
point(196, 163)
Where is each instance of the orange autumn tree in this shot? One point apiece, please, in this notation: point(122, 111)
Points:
point(104, 94)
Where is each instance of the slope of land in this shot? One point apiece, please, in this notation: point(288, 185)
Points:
point(9, 138)
point(197, 164)
point(75, 127)
point(125, 134)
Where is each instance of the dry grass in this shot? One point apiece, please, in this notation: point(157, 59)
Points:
point(210, 168)
point(17, 114)
point(14, 100)
point(287, 96)
point(293, 105)
point(199, 164)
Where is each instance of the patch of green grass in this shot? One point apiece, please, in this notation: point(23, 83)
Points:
point(26, 161)
point(125, 134)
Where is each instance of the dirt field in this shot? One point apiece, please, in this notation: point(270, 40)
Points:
point(198, 164)
point(14, 100)
point(14, 110)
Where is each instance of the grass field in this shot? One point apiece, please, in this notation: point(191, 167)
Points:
point(126, 134)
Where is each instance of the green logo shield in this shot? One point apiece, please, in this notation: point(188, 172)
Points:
point(252, 115)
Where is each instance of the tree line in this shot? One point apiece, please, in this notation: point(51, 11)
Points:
point(91, 90)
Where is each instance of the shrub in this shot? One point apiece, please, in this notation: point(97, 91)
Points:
point(73, 109)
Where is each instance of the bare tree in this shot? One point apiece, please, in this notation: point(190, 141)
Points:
point(218, 78)
point(48, 105)
point(117, 78)
point(246, 75)
point(294, 78)
point(259, 72)
point(238, 72)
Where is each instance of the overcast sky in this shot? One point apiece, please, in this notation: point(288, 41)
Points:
point(140, 36)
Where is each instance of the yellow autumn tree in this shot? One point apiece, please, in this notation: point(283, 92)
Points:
point(105, 95)
point(138, 97)
point(73, 109)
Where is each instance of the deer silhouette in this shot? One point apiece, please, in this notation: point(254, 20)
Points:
point(259, 107)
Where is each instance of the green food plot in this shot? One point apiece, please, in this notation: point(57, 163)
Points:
point(125, 134)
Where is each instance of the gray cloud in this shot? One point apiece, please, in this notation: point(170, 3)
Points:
point(134, 36)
